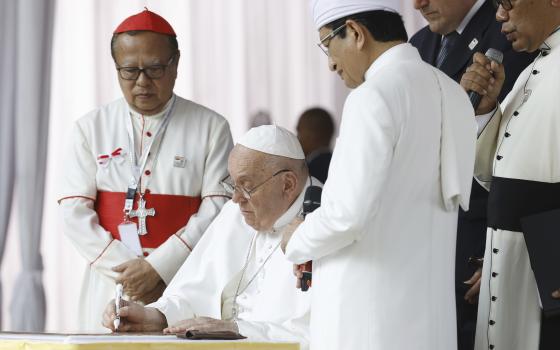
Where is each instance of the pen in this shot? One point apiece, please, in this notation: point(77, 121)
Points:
point(118, 297)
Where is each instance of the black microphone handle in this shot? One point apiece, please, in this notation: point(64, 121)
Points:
point(475, 99)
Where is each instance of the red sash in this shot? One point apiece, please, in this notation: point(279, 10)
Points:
point(172, 213)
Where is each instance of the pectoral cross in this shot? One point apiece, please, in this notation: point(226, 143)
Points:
point(141, 213)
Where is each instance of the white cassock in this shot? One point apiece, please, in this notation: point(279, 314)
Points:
point(383, 240)
point(180, 180)
point(521, 142)
point(270, 308)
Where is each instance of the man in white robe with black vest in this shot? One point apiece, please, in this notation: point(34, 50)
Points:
point(518, 155)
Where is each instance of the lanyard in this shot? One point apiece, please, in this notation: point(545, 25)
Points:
point(137, 165)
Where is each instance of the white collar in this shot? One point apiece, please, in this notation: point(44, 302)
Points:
point(292, 211)
point(399, 52)
point(553, 41)
point(133, 113)
point(474, 9)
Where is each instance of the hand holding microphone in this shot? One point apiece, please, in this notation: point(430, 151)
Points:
point(483, 80)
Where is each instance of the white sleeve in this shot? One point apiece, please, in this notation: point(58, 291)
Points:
point(295, 330)
point(174, 307)
point(352, 192)
point(169, 256)
point(192, 282)
point(81, 225)
point(80, 222)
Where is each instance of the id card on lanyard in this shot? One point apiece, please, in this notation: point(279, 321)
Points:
point(128, 230)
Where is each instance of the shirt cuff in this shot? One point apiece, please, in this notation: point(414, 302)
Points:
point(483, 119)
point(172, 312)
point(168, 257)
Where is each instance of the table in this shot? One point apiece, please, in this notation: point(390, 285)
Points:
point(128, 341)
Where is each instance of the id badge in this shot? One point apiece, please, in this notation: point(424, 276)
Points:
point(129, 236)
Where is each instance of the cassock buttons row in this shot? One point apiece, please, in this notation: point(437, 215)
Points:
point(494, 274)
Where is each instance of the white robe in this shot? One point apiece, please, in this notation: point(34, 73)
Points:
point(531, 152)
point(383, 242)
point(271, 308)
point(196, 133)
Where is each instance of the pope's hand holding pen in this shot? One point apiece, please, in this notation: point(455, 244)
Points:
point(118, 298)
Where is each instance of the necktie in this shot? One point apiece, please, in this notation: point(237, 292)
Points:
point(446, 45)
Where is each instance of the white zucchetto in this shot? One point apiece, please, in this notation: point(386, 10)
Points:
point(326, 11)
point(273, 139)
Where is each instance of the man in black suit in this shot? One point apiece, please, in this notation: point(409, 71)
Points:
point(456, 30)
point(315, 130)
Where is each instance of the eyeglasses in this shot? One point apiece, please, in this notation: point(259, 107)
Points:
point(153, 72)
point(506, 4)
point(326, 40)
point(231, 187)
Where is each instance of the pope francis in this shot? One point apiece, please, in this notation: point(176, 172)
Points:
point(237, 278)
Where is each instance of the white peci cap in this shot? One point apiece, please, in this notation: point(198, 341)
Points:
point(327, 11)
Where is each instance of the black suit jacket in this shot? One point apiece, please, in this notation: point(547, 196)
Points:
point(319, 165)
point(483, 28)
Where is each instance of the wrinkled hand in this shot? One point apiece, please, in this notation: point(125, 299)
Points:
point(472, 294)
point(134, 318)
point(152, 295)
point(138, 278)
point(289, 231)
point(556, 294)
point(204, 324)
point(486, 77)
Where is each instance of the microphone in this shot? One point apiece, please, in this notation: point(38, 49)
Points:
point(496, 56)
point(311, 201)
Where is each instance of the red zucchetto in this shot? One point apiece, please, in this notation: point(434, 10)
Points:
point(145, 20)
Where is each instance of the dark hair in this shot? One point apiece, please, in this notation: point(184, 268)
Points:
point(320, 121)
point(384, 26)
point(173, 45)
